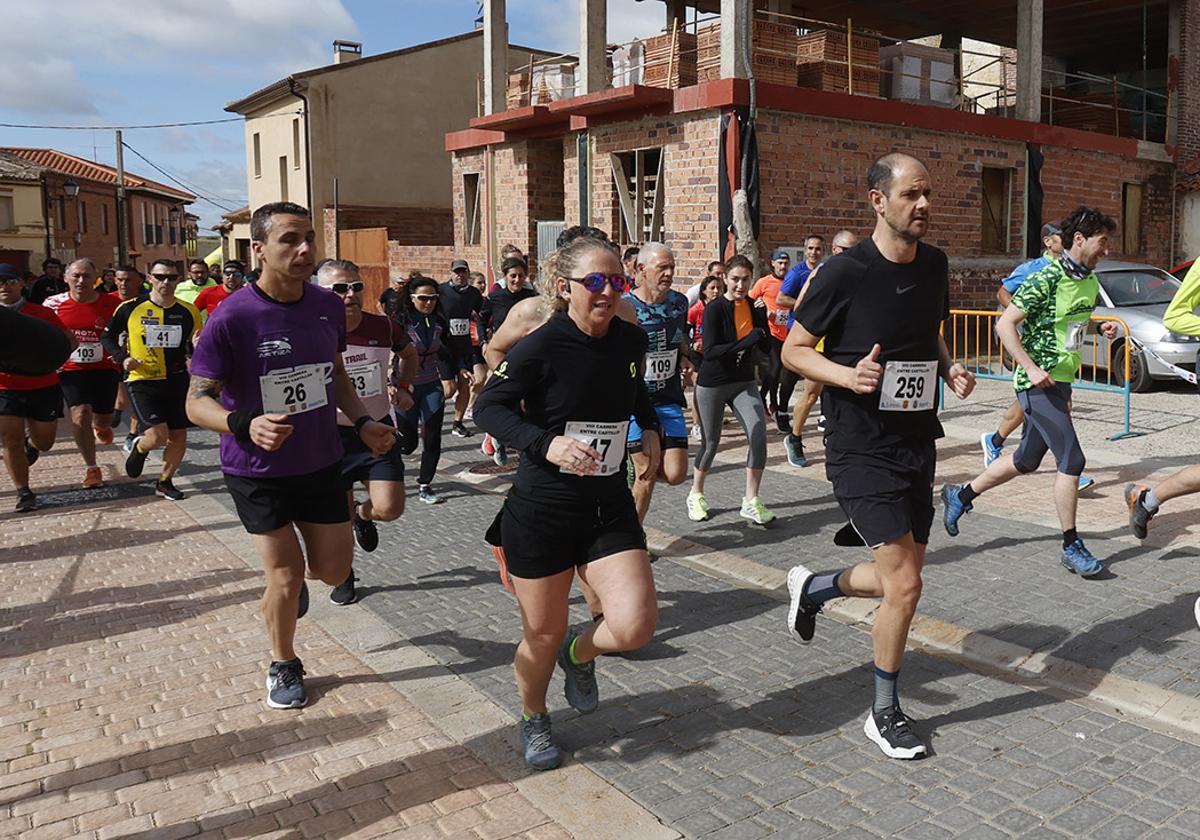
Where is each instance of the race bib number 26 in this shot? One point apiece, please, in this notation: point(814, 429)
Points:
point(606, 438)
point(295, 390)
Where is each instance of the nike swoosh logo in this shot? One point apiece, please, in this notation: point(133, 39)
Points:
point(900, 291)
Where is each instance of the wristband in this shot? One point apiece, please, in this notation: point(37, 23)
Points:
point(404, 386)
point(239, 424)
point(360, 422)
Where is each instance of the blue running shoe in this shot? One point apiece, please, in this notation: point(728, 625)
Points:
point(952, 508)
point(990, 452)
point(1085, 481)
point(540, 750)
point(579, 681)
point(795, 451)
point(1079, 560)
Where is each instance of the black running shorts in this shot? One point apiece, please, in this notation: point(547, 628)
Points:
point(886, 493)
point(158, 401)
point(266, 504)
point(97, 388)
point(42, 405)
point(359, 463)
point(541, 540)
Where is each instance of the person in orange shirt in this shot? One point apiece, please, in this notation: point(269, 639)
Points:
point(763, 294)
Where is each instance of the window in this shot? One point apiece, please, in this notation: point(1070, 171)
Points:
point(996, 209)
point(147, 233)
point(296, 143)
point(60, 214)
point(1131, 219)
point(6, 213)
point(82, 216)
point(257, 156)
point(638, 178)
point(283, 178)
point(471, 183)
point(154, 211)
point(104, 219)
point(170, 234)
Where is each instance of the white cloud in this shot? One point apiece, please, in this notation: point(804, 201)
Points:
point(48, 85)
point(554, 24)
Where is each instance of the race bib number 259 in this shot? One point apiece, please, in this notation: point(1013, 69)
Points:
point(908, 386)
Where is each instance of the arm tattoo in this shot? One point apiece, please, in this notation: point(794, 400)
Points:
point(202, 387)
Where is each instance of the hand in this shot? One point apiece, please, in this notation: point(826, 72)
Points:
point(1039, 377)
point(865, 375)
point(961, 381)
point(758, 334)
point(760, 303)
point(574, 456)
point(269, 431)
point(652, 449)
point(400, 397)
point(379, 437)
point(1110, 329)
point(131, 363)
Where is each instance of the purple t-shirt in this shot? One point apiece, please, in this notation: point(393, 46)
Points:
point(257, 347)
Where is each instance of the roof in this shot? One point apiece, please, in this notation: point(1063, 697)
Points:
point(13, 168)
point(77, 167)
point(228, 220)
point(283, 86)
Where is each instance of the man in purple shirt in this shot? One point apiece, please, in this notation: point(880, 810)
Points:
point(268, 375)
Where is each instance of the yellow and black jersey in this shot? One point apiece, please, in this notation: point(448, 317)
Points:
point(161, 339)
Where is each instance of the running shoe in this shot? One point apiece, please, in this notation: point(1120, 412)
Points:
point(127, 446)
point(27, 500)
point(93, 477)
point(426, 494)
point(488, 446)
point(1196, 611)
point(783, 422)
point(500, 457)
point(285, 685)
point(458, 429)
point(953, 509)
point(697, 434)
point(302, 608)
point(756, 511)
point(540, 750)
point(802, 613)
point(1085, 481)
point(365, 532)
point(1139, 517)
point(697, 507)
point(893, 734)
point(1079, 560)
point(795, 451)
point(168, 491)
point(344, 593)
point(469, 414)
point(579, 681)
point(136, 459)
point(821, 423)
point(990, 451)
point(32, 453)
point(104, 434)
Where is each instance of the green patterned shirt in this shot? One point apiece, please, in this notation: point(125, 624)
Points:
point(1057, 311)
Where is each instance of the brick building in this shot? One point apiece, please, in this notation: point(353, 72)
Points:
point(648, 160)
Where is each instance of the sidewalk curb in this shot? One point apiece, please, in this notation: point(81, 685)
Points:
point(574, 797)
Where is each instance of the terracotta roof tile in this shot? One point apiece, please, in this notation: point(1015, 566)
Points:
point(77, 167)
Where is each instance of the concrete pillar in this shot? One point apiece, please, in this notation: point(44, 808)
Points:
point(1029, 60)
point(676, 14)
point(737, 17)
point(593, 46)
point(495, 57)
point(1174, 47)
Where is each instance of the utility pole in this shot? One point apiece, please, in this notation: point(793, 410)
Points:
point(122, 218)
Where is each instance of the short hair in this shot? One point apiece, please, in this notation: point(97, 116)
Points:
point(260, 222)
point(709, 267)
point(476, 275)
point(882, 171)
point(708, 281)
point(580, 232)
point(740, 261)
point(844, 235)
point(235, 263)
point(815, 236)
point(651, 248)
point(197, 261)
point(132, 269)
point(1086, 220)
point(630, 252)
point(164, 261)
point(49, 261)
point(328, 266)
point(86, 261)
point(510, 250)
point(514, 262)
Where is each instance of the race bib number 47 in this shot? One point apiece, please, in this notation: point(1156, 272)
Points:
point(908, 386)
point(606, 438)
point(295, 390)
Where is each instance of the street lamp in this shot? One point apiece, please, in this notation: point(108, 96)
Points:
point(71, 188)
point(173, 214)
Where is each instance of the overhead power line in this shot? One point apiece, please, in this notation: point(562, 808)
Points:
point(120, 127)
point(194, 190)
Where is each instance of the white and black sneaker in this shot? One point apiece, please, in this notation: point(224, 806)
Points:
point(892, 733)
point(344, 593)
point(459, 429)
point(802, 613)
point(285, 685)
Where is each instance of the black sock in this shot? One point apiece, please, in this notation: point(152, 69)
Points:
point(1069, 537)
point(997, 440)
point(966, 495)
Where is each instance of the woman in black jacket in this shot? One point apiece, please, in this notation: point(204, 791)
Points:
point(732, 328)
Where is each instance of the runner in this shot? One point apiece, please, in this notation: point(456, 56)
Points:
point(460, 304)
point(130, 286)
point(794, 442)
point(1055, 304)
point(107, 284)
point(883, 355)
point(29, 405)
point(716, 268)
point(570, 510)
point(515, 272)
point(380, 360)
point(764, 295)
point(90, 377)
point(197, 281)
point(732, 327)
point(662, 315)
point(711, 288)
point(151, 340)
point(268, 376)
point(232, 278)
point(434, 381)
point(50, 283)
point(795, 280)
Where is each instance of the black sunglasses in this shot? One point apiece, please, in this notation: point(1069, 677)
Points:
point(164, 278)
point(342, 288)
point(595, 281)
point(233, 273)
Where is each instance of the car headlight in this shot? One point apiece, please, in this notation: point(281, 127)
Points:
point(1179, 338)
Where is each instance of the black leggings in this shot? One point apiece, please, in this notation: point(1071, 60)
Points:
point(769, 389)
point(787, 386)
point(429, 408)
point(1048, 427)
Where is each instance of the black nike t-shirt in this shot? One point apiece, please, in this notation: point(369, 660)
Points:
point(858, 299)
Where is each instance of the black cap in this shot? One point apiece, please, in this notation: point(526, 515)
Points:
point(9, 270)
point(457, 264)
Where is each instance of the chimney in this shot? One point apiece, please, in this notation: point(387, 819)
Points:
point(346, 51)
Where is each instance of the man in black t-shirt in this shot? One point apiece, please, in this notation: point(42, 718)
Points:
point(461, 303)
point(50, 283)
point(879, 306)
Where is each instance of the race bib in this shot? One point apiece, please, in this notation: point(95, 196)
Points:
point(460, 326)
point(164, 335)
point(1076, 330)
point(660, 364)
point(367, 379)
point(86, 354)
point(780, 317)
point(606, 438)
point(295, 390)
point(908, 386)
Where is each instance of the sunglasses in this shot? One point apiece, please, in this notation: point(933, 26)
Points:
point(425, 298)
point(165, 278)
point(595, 281)
point(342, 288)
point(233, 274)
point(7, 281)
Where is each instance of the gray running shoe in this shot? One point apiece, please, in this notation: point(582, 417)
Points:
point(540, 750)
point(1139, 517)
point(285, 685)
point(27, 500)
point(579, 681)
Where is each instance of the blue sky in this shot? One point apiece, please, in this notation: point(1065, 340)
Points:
point(125, 62)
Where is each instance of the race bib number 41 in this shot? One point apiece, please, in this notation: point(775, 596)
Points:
point(606, 438)
point(164, 335)
point(908, 386)
point(295, 390)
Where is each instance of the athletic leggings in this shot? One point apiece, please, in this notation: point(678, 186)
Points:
point(747, 407)
point(429, 407)
point(1048, 426)
point(787, 386)
point(769, 390)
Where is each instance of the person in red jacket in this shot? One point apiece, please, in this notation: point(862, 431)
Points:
point(232, 279)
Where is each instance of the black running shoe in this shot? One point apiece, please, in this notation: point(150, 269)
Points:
point(285, 685)
point(459, 429)
point(1139, 517)
point(32, 453)
point(802, 613)
point(783, 422)
point(303, 608)
point(365, 532)
point(344, 593)
point(136, 459)
point(893, 734)
point(168, 491)
point(27, 500)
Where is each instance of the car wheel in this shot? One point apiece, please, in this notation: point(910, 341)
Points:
point(1140, 380)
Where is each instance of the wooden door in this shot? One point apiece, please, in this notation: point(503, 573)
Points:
point(367, 247)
